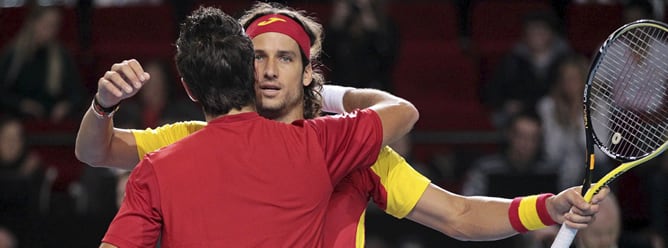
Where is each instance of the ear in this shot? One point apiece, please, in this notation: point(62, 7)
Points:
point(185, 86)
point(307, 76)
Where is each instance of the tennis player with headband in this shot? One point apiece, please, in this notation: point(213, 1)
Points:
point(244, 180)
point(284, 94)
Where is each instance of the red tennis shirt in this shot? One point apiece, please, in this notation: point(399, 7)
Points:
point(249, 182)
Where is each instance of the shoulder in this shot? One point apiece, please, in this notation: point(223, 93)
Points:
point(358, 114)
point(176, 149)
point(174, 127)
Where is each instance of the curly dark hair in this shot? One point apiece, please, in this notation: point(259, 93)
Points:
point(312, 98)
point(216, 60)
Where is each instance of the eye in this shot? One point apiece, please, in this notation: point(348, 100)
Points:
point(259, 57)
point(286, 58)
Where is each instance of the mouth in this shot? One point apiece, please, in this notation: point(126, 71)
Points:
point(269, 89)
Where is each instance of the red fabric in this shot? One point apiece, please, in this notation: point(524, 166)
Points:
point(346, 206)
point(543, 214)
point(284, 25)
point(244, 181)
point(350, 199)
point(513, 215)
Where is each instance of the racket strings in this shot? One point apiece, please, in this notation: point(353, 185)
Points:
point(628, 96)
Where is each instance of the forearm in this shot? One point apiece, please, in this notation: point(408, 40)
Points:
point(397, 115)
point(483, 218)
point(99, 144)
point(463, 218)
point(107, 245)
point(94, 138)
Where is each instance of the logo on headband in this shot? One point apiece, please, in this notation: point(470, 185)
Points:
point(270, 21)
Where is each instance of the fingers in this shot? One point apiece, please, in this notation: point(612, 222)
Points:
point(581, 213)
point(107, 87)
point(124, 80)
point(127, 72)
point(576, 200)
point(118, 81)
point(602, 194)
point(577, 221)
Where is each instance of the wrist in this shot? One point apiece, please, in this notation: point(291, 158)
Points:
point(530, 213)
point(101, 111)
point(332, 98)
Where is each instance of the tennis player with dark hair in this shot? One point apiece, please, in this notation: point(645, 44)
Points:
point(291, 93)
point(243, 180)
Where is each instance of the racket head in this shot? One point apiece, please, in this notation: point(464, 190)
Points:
point(626, 96)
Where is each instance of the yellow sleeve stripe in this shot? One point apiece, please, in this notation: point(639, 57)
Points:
point(403, 184)
point(359, 236)
point(528, 214)
point(149, 140)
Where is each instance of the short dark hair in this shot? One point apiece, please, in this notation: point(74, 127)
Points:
point(314, 30)
point(546, 18)
point(216, 60)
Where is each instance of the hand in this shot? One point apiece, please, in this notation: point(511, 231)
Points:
point(123, 81)
point(570, 208)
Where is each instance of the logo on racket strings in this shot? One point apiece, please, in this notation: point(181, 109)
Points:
point(616, 138)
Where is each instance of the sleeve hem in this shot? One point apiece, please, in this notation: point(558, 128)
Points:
point(410, 203)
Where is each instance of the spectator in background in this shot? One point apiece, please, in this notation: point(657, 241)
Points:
point(37, 75)
point(519, 169)
point(521, 157)
point(21, 178)
point(527, 72)
point(362, 44)
point(563, 128)
point(158, 103)
point(637, 9)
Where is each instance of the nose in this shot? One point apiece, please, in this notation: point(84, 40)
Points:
point(270, 69)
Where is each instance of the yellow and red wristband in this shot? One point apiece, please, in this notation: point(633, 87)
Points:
point(530, 213)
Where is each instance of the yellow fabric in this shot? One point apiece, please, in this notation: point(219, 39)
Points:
point(404, 185)
point(529, 214)
point(359, 237)
point(149, 140)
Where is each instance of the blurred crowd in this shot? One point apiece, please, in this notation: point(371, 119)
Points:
point(529, 93)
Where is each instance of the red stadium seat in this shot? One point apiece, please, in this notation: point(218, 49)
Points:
point(12, 20)
point(134, 31)
point(424, 21)
point(142, 32)
point(588, 25)
point(497, 25)
point(61, 158)
point(443, 84)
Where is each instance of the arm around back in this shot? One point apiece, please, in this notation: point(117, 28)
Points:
point(397, 115)
point(99, 144)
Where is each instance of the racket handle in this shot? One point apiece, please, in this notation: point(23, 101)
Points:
point(564, 237)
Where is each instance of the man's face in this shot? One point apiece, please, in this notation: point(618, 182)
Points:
point(525, 139)
point(280, 76)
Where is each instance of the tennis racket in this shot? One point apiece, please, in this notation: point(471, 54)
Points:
point(625, 104)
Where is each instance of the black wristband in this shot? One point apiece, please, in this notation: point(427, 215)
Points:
point(104, 111)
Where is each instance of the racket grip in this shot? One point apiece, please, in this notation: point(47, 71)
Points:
point(564, 237)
